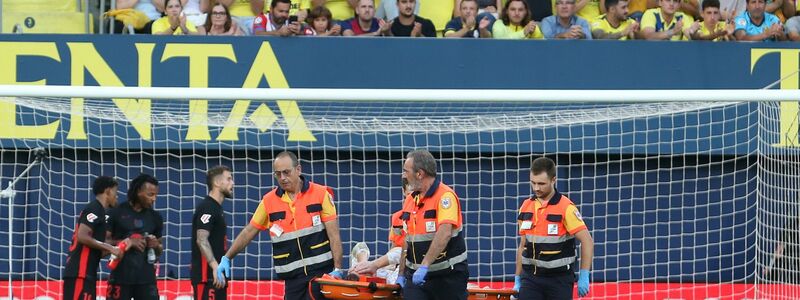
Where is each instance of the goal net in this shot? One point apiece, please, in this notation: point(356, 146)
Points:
point(684, 200)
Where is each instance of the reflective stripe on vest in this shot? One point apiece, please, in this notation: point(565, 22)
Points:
point(549, 264)
point(548, 239)
point(305, 262)
point(427, 237)
point(298, 234)
point(447, 264)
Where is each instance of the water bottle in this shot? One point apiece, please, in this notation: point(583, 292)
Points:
point(113, 261)
point(151, 253)
point(151, 256)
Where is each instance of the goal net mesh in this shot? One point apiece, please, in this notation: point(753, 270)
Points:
point(690, 197)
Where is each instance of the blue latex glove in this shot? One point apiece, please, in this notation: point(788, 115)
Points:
point(583, 283)
point(517, 283)
point(419, 275)
point(401, 281)
point(338, 273)
point(224, 268)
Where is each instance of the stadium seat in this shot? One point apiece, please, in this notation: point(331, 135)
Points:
point(46, 22)
point(40, 5)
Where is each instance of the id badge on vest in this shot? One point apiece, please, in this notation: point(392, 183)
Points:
point(526, 225)
point(430, 226)
point(552, 229)
point(276, 229)
point(316, 220)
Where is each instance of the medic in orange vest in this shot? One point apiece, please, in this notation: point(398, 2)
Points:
point(549, 223)
point(435, 252)
point(302, 225)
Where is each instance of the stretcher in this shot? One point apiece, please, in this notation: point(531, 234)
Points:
point(366, 288)
point(487, 294)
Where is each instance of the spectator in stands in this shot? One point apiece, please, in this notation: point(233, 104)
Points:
point(769, 27)
point(691, 8)
point(146, 7)
point(712, 29)
point(539, 9)
point(589, 9)
point(276, 22)
point(729, 9)
point(486, 8)
point(783, 9)
point(515, 23)
point(365, 23)
point(300, 8)
point(438, 11)
point(320, 23)
point(565, 24)
point(196, 11)
point(244, 12)
point(492, 7)
point(792, 28)
point(637, 7)
point(666, 22)
point(411, 25)
point(340, 9)
point(175, 22)
point(469, 24)
point(387, 9)
point(688, 7)
point(615, 24)
point(219, 22)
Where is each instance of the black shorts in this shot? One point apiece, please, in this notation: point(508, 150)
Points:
point(132, 291)
point(302, 288)
point(557, 287)
point(80, 289)
point(206, 291)
point(452, 286)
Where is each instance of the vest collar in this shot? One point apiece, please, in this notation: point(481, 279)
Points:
point(431, 190)
point(554, 200)
point(279, 192)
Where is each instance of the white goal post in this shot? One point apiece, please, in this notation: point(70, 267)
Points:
point(687, 193)
point(321, 94)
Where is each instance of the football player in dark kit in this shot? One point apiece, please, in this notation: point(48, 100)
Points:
point(88, 242)
point(135, 220)
point(208, 236)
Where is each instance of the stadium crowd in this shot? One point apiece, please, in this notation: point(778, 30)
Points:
point(676, 20)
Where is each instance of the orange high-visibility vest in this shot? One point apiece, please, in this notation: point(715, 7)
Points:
point(549, 248)
point(303, 247)
point(421, 226)
point(397, 235)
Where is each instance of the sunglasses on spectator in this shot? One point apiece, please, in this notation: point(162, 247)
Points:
point(219, 13)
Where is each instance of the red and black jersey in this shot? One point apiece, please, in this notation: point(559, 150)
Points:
point(82, 260)
point(208, 215)
point(122, 222)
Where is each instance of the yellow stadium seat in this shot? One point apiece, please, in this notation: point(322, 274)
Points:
point(40, 5)
point(46, 22)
